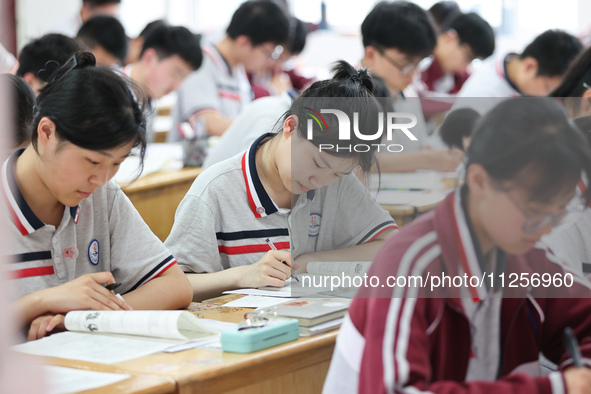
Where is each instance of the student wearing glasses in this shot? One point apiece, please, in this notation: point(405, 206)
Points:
point(399, 38)
point(524, 163)
point(215, 95)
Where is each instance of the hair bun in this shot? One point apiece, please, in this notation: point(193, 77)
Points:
point(365, 79)
point(85, 59)
point(344, 71)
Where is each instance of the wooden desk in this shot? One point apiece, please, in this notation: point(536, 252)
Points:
point(295, 367)
point(138, 385)
point(404, 213)
point(156, 197)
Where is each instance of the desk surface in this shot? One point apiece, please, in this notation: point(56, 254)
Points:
point(298, 366)
point(160, 179)
point(138, 384)
point(156, 197)
point(405, 213)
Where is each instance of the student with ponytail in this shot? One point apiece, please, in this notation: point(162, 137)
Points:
point(72, 228)
point(286, 189)
point(468, 335)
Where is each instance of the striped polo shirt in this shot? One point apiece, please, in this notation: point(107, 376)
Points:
point(104, 233)
point(226, 216)
point(215, 86)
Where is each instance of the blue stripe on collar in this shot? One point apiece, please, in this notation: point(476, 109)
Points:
point(253, 175)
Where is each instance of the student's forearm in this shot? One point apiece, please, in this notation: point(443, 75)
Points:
point(29, 307)
point(364, 252)
point(215, 124)
point(213, 284)
point(171, 290)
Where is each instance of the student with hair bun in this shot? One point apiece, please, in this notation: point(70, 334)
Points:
point(524, 163)
point(285, 189)
point(72, 228)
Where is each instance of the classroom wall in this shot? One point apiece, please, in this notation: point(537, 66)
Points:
point(37, 17)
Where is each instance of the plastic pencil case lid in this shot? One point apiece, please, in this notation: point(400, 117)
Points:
point(275, 332)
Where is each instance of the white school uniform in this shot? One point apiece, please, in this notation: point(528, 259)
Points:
point(227, 215)
point(104, 233)
point(258, 117)
point(215, 86)
point(486, 88)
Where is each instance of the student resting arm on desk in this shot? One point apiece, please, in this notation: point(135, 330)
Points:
point(283, 188)
point(72, 228)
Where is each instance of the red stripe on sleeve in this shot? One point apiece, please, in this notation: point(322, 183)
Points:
point(244, 249)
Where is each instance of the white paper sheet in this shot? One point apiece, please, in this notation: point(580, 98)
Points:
point(423, 180)
point(254, 301)
point(323, 327)
point(61, 380)
point(412, 198)
point(97, 348)
point(280, 292)
point(159, 157)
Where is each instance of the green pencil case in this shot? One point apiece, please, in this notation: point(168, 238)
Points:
point(275, 331)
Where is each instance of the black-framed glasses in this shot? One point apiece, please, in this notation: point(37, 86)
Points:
point(537, 221)
point(407, 69)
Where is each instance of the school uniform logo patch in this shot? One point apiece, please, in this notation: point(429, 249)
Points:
point(71, 252)
point(93, 252)
point(314, 228)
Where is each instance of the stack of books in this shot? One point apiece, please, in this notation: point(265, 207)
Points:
point(315, 315)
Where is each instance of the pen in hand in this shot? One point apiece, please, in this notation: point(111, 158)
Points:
point(293, 273)
point(112, 288)
point(572, 347)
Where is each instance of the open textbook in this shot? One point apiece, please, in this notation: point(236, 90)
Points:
point(113, 336)
point(181, 325)
point(333, 278)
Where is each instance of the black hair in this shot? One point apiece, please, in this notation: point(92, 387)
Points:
point(443, 12)
point(474, 31)
point(457, 125)
point(532, 143)
point(578, 73)
point(150, 27)
point(554, 50)
point(22, 102)
point(92, 107)
point(349, 91)
point(297, 36)
point(261, 21)
point(99, 3)
point(107, 32)
point(37, 53)
point(401, 25)
point(175, 40)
